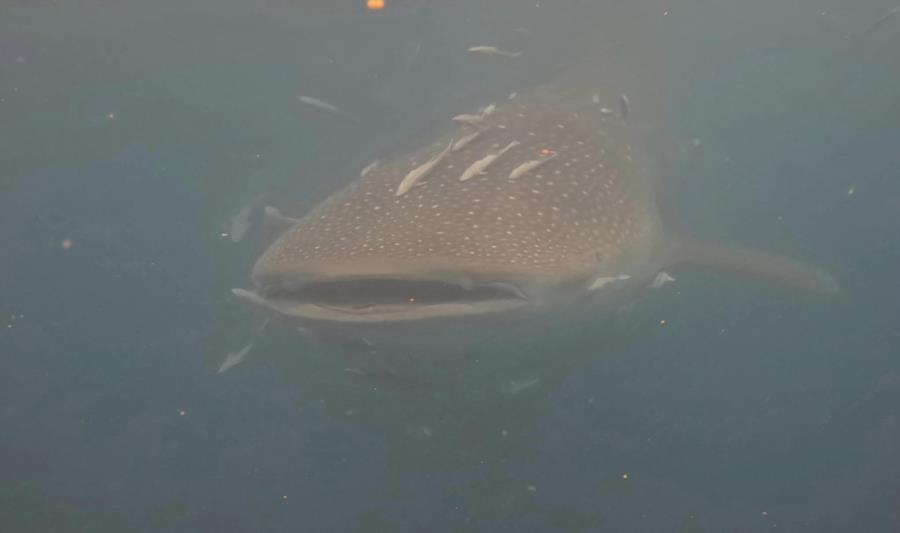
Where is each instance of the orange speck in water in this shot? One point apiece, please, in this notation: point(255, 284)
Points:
point(545, 151)
point(375, 5)
point(66, 244)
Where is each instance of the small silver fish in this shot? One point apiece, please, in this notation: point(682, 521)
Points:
point(234, 358)
point(315, 102)
point(466, 118)
point(274, 215)
point(884, 18)
point(528, 166)
point(465, 140)
point(326, 107)
point(240, 223)
point(493, 51)
point(601, 282)
point(478, 167)
point(661, 279)
point(515, 386)
point(421, 171)
point(474, 120)
point(369, 168)
point(509, 287)
point(624, 106)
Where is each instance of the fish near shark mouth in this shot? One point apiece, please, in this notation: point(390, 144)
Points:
point(384, 299)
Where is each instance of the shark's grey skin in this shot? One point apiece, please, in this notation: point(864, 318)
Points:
point(577, 231)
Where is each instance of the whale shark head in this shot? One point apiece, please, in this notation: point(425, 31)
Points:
point(530, 200)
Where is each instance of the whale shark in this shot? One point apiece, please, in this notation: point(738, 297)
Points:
point(542, 203)
point(459, 285)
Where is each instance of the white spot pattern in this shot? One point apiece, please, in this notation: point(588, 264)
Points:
point(584, 213)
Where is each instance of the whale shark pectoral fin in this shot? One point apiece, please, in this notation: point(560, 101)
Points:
point(754, 263)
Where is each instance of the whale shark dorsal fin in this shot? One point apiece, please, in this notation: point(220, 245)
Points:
point(747, 262)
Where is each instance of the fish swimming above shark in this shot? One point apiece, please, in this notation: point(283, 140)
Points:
point(563, 218)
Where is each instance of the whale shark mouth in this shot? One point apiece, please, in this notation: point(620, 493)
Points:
point(364, 294)
point(385, 299)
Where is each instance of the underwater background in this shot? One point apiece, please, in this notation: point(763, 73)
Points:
point(133, 132)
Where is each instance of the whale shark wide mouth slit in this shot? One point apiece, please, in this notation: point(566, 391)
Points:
point(363, 294)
